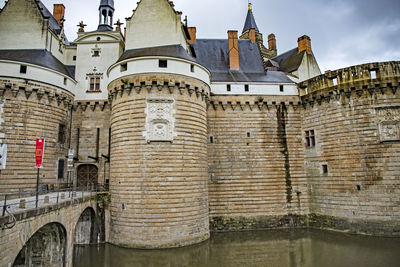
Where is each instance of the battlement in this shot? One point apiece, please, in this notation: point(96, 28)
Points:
point(356, 78)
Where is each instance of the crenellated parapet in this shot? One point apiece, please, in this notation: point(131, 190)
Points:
point(28, 90)
point(157, 83)
point(99, 105)
point(371, 78)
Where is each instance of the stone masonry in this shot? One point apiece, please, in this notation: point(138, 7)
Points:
point(159, 161)
point(30, 111)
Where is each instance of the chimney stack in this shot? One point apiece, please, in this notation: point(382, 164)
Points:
point(304, 44)
point(252, 35)
point(192, 33)
point(233, 45)
point(59, 13)
point(272, 42)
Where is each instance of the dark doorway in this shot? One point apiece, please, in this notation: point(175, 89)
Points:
point(87, 175)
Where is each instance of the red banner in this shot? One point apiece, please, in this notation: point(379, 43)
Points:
point(39, 152)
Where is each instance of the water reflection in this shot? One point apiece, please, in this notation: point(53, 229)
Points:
point(283, 248)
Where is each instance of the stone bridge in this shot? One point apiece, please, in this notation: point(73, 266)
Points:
point(46, 236)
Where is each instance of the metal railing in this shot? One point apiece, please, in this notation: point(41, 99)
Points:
point(15, 202)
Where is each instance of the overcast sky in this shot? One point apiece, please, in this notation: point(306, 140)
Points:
point(343, 32)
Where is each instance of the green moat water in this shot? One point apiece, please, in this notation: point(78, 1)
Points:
point(281, 248)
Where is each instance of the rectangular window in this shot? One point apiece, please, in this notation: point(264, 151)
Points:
point(96, 53)
point(373, 74)
point(281, 88)
point(246, 87)
point(310, 138)
point(65, 81)
point(61, 133)
point(23, 69)
point(211, 139)
point(191, 68)
point(60, 169)
point(94, 84)
point(228, 87)
point(162, 63)
point(74, 58)
point(325, 169)
point(124, 67)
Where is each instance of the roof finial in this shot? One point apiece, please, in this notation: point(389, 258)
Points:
point(250, 5)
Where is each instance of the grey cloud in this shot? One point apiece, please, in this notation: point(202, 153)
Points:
point(343, 32)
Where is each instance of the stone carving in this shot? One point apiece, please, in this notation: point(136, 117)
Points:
point(160, 121)
point(389, 123)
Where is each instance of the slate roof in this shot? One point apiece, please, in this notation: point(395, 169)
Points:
point(37, 57)
point(289, 61)
point(53, 23)
point(176, 51)
point(213, 54)
point(250, 22)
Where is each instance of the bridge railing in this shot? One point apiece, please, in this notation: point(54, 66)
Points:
point(16, 202)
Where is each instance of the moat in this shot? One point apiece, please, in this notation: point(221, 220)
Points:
point(281, 248)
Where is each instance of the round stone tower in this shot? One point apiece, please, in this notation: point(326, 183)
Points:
point(159, 194)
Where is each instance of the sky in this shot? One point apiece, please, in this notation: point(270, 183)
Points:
point(343, 32)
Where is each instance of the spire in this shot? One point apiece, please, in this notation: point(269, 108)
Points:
point(250, 21)
point(106, 14)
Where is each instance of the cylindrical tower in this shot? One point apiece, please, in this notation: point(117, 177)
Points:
point(158, 179)
point(30, 109)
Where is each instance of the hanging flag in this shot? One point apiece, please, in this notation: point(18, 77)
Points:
point(3, 156)
point(39, 152)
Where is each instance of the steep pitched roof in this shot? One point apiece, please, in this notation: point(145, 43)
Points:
point(250, 22)
point(53, 23)
point(289, 61)
point(213, 54)
point(37, 57)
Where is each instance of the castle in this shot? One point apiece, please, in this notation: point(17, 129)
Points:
point(197, 134)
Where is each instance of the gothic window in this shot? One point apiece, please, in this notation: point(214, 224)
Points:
point(310, 138)
point(94, 84)
point(94, 80)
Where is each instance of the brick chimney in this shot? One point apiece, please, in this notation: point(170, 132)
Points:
point(252, 35)
point(59, 13)
point(233, 46)
point(192, 33)
point(271, 42)
point(304, 44)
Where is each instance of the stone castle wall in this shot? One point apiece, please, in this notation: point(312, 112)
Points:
point(355, 113)
point(159, 161)
point(88, 117)
point(32, 111)
point(255, 161)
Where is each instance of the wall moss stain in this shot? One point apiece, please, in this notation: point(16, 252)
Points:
point(282, 119)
